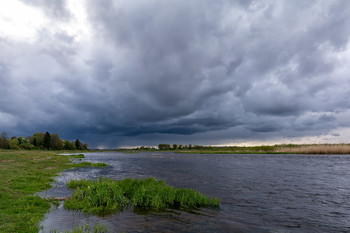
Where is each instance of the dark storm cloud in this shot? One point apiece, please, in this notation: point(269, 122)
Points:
point(182, 69)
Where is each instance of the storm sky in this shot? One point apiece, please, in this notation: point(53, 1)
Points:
point(125, 73)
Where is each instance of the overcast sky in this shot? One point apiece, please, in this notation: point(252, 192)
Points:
point(124, 73)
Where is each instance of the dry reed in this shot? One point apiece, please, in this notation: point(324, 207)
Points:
point(316, 149)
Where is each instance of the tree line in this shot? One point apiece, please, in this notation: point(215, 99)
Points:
point(179, 147)
point(39, 141)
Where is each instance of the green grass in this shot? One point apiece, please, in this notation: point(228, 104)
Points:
point(105, 195)
point(85, 229)
point(22, 174)
point(77, 156)
point(88, 164)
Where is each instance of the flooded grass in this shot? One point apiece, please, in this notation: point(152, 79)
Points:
point(77, 156)
point(85, 229)
point(88, 164)
point(106, 195)
point(22, 174)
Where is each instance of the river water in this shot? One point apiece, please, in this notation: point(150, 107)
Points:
point(257, 193)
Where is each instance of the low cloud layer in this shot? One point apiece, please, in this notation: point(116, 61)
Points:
point(129, 73)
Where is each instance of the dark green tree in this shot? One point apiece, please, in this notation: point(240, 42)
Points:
point(34, 142)
point(4, 141)
point(56, 142)
point(67, 145)
point(37, 139)
point(78, 145)
point(164, 147)
point(47, 140)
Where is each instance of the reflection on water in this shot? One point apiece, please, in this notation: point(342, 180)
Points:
point(258, 193)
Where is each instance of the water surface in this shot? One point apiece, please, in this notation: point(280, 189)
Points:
point(258, 193)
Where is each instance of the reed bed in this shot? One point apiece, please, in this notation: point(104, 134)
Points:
point(315, 149)
point(106, 195)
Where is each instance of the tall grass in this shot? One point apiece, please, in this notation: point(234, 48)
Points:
point(316, 149)
point(106, 195)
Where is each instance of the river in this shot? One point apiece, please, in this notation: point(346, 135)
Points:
point(257, 193)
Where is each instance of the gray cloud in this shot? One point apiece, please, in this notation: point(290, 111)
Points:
point(182, 71)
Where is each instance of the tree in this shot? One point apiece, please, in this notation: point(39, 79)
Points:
point(174, 146)
point(78, 145)
point(4, 141)
point(56, 142)
point(35, 142)
point(14, 143)
point(164, 147)
point(47, 140)
point(67, 145)
point(37, 139)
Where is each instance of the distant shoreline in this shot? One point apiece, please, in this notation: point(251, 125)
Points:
point(341, 149)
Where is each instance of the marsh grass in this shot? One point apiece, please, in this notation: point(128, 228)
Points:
point(316, 149)
point(274, 149)
point(105, 195)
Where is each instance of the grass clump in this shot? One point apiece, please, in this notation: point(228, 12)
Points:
point(106, 195)
point(88, 164)
point(77, 156)
point(85, 229)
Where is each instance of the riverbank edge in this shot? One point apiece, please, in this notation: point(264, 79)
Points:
point(317, 149)
point(23, 174)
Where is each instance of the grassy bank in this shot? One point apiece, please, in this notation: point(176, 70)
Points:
point(22, 174)
point(105, 195)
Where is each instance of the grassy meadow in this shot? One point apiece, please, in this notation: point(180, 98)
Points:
point(22, 174)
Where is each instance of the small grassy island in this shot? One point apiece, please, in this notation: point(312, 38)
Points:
point(106, 196)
